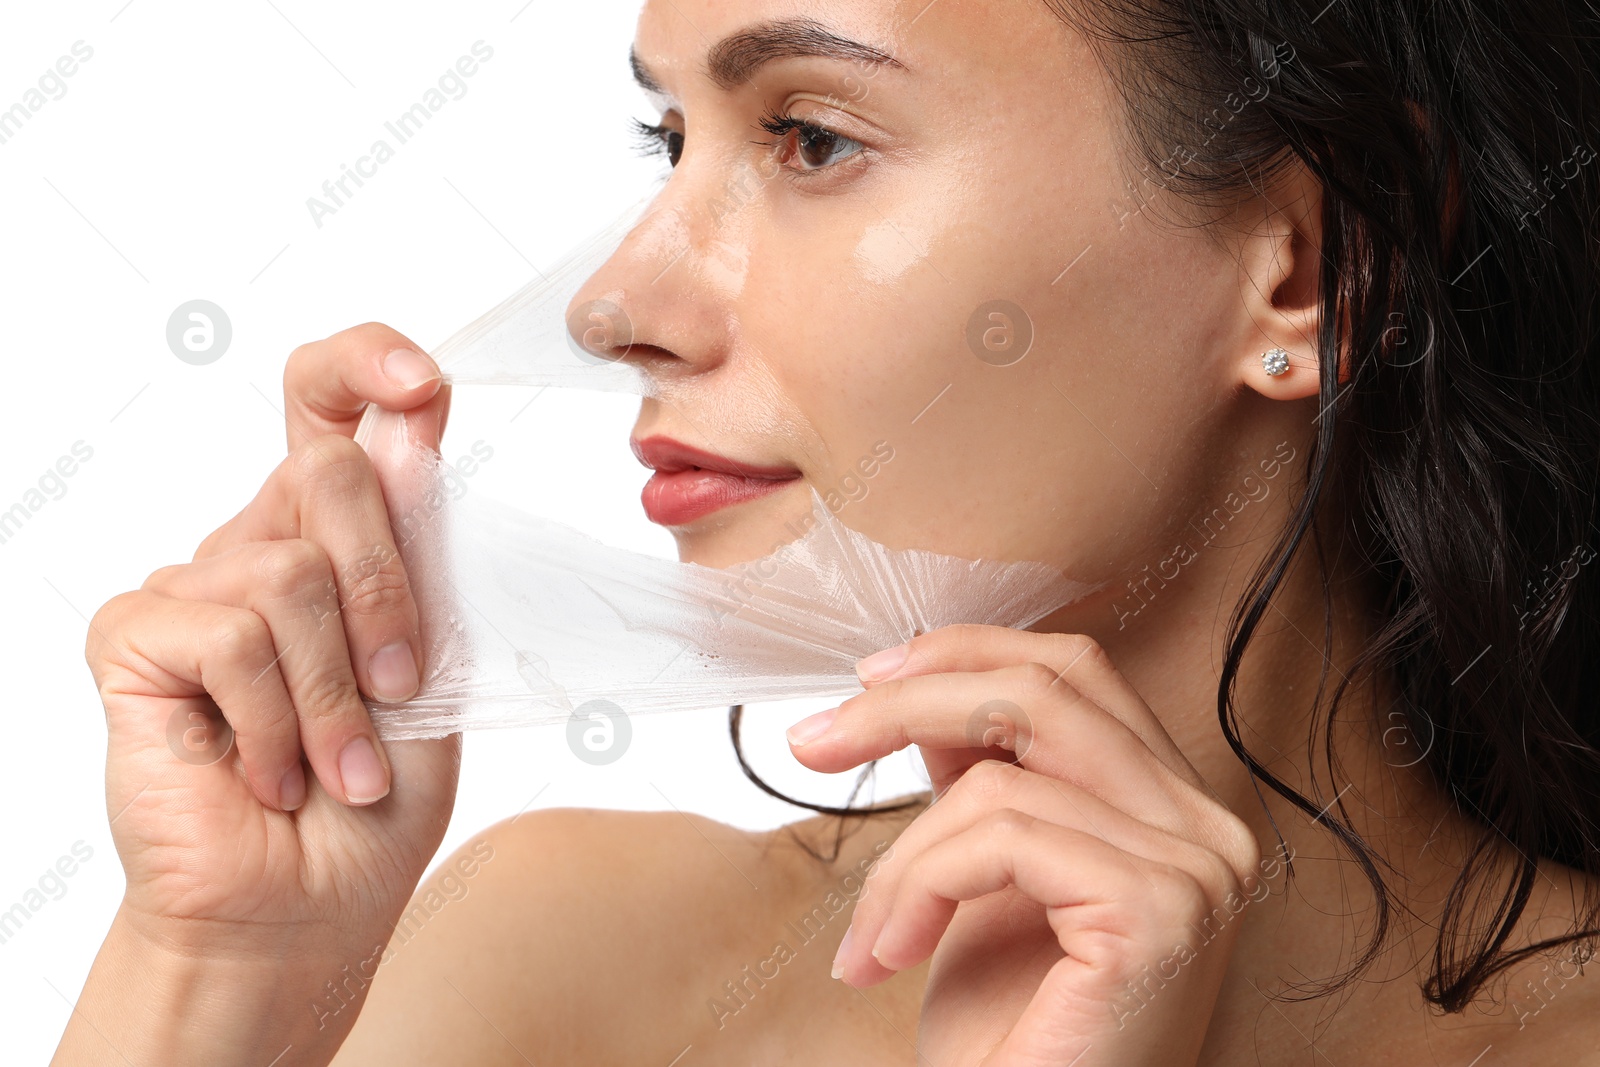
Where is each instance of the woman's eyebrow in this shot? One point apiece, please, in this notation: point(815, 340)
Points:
point(735, 59)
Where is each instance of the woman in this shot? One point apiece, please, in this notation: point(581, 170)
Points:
point(1273, 322)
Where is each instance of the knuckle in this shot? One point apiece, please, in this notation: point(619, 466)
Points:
point(1183, 892)
point(1238, 847)
point(1037, 681)
point(874, 877)
point(288, 567)
point(331, 462)
point(367, 564)
point(107, 619)
point(160, 576)
point(380, 590)
point(1217, 876)
point(352, 338)
point(988, 782)
point(297, 359)
point(888, 697)
point(961, 637)
point(242, 637)
point(1009, 823)
point(371, 335)
point(365, 340)
point(327, 692)
point(1080, 650)
point(1106, 948)
point(933, 650)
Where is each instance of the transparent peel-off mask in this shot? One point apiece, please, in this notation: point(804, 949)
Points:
point(527, 621)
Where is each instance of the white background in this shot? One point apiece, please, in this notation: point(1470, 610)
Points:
point(177, 166)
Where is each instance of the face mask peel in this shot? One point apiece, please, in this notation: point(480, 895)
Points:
point(525, 620)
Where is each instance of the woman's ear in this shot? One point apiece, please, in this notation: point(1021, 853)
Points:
point(1280, 278)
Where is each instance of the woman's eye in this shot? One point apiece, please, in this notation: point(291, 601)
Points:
point(815, 147)
point(657, 140)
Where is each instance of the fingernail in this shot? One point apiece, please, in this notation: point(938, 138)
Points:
point(844, 946)
point(881, 665)
point(363, 776)
point(409, 369)
point(811, 727)
point(394, 673)
point(292, 790)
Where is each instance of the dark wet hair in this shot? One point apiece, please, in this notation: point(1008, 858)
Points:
point(1455, 144)
point(736, 719)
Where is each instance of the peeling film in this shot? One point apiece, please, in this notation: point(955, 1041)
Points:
point(525, 620)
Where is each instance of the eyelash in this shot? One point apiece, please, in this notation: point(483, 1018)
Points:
point(651, 139)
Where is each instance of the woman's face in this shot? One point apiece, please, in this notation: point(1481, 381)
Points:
point(952, 317)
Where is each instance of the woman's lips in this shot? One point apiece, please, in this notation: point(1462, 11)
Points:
point(689, 483)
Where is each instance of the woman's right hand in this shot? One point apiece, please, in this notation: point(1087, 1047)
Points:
point(287, 614)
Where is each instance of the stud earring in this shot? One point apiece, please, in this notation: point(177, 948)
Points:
point(1275, 362)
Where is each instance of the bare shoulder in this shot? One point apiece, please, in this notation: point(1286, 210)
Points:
point(549, 936)
point(1551, 1001)
point(1544, 1008)
point(1551, 1008)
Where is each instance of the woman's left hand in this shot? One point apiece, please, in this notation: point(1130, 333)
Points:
point(1099, 878)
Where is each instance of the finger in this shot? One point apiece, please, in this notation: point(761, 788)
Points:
point(328, 492)
point(1026, 709)
point(184, 650)
point(1076, 658)
point(327, 384)
point(1057, 866)
point(290, 585)
point(992, 787)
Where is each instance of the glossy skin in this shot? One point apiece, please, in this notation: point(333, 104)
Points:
point(829, 312)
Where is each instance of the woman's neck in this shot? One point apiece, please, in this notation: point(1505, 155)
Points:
point(1369, 771)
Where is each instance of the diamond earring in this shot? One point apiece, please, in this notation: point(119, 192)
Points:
point(1275, 362)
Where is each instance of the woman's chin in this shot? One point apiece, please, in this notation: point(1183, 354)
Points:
point(742, 533)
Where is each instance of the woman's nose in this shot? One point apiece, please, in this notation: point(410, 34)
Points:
point(648, 302)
